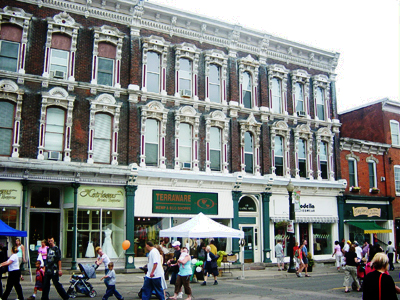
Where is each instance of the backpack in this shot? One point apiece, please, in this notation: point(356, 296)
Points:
point(296, 254)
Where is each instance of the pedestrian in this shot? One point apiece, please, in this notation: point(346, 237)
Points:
point(165, 250)
point(173, 264)
point(279, 255)
point(38, 279)
point(358, 250)
point(337, 252)
point(299, 257)
point(185, 272)
point(365, 248)
point(390, 253)
point(214, 249)
point(201, 251)
point(53, 271)
point(296, 246)
point(3, 258)
point(102, 258)
point(21, 254)
point(110, 278)
point(14, 275)
point(152, 280)
point(305, 258)
point(163, 282)
point(42, 252)
point(377, 284)
point(211, 266)
point(350, 269)
point(345, 249)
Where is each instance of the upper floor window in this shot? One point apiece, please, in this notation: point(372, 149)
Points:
point(394, 130)
point(151, 142)
point(214, 83)
point(59, 56)
point(372, 174)
point(105, 61)
point(299, 97)
point(9, 52)
point(153, 72)
point(397, 179)
point(55, 124)
point(302, 158)
point(185, 77)
point(248, 152)
point(6, 127)
point(278, 153)
point(102, 138)
point(215, 149)
point(352, 172)
point(185, 145)
point(247, 90)
point(276, 90)
point(320, 100)
point(323, 159)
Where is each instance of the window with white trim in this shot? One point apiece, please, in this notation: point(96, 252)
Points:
point(102, 138)
point(300, 93)
point(185, 77)
point(320, 103)
point(247, 90)
point(185, 145)
point(153, 72)
point(323, 159)
point(55, 125)
point(397, 179)
point(215, 149)
point(9, 52)
point(302, 156)
point(352, 172)
point(299, 96)
point(372, 174)
point(248, 152)
point(276, 91)
point(279, 155)
point(152, 142)
point(395, 133)
point(6, 127)
point(105, 71)
point(58, 63)
point(214, 83)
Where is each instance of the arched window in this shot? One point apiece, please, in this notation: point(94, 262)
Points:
point(247, 204)
point(279, 158)
point(320, 104)
point(214, 84)
point(215, 148)
point(299, 96)
point(248, 152)
point(246, 90)
point(59, 56)
point(372, 174)
point(151, 142)
point(352, 172)
point(55, 127)
point(153, 72)
point(102, 138)
point(10, 39)
point(6, 127)
point(185, 77)
point(302, 158)
point(323, 160)
point(277, 105)
point(185, 145)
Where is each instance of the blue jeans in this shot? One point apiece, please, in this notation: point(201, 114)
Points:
point(150, 285)
point(112, 291)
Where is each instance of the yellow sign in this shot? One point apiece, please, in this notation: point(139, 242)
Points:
point(10, 193)
point(101, 196)
point(365, 211)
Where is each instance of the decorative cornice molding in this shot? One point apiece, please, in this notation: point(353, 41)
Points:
point(361, 146)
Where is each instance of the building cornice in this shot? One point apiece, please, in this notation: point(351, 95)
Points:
point(361, 146)
point(138, 15)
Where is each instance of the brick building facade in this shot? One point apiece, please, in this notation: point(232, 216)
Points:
point(110, 104)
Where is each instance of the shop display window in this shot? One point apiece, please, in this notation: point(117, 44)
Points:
point(322, 234)
point(9, 216)
point(146, 229)
point(281, 234)
point(357, 234)
point(101, 227)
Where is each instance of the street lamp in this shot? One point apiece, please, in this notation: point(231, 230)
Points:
point(290, 189)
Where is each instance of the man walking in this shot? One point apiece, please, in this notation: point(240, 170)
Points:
point(305, 258)
point(152, 281)
point(390, 253)
point(53, 271)
point(279, 255)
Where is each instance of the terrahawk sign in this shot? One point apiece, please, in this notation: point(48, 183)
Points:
point(176, 202)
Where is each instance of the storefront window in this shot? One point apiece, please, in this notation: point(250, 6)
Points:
point(101, 227)
point(44, 197)
point(281, 234)
point(322, 238)
point(9, 216)
point(357, 234)
point(146, 229)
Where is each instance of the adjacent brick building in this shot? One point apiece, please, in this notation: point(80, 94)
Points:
point(130, 116)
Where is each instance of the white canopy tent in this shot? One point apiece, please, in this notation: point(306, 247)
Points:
point(202, 226)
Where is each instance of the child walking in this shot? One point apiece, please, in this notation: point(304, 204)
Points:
point(110, 277)
point(39, 279)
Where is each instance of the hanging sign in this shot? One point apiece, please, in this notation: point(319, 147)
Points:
point(365, 211)
point(296, 201)
point(290, 227)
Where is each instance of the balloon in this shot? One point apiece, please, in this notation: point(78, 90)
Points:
point(194, 261)
point(126, 244)
point(198, 269)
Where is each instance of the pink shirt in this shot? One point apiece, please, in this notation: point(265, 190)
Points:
point(337, 249)
point(43, 251)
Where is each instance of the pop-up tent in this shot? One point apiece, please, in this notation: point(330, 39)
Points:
point(202, 226)
point(9, 231)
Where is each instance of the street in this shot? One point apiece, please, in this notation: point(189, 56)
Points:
point(264, 286)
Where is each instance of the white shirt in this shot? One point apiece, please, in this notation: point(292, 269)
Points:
point(346, 248)
point(359, 252)
point(15, 263)
point(154, 257)
point(106, 260)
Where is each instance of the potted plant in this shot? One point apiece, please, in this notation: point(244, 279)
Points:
point(281, 225)
point(374, 190)
point(355, 189)
point(310, 262)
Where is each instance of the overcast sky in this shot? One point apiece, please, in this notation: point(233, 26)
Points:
point(364, 32)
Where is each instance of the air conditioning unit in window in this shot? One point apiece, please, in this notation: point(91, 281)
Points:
point(57, 74)
point(301, 113)
point(185, 93)
point(53, 155)
point(186, 165)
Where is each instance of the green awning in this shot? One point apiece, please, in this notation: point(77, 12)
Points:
point(370, 227)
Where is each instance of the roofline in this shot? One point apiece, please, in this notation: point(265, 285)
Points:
point(364, 105)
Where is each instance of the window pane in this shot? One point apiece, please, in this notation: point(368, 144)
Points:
point(153, 62)
point(151, 153)
point(102, 138)
point(246, 81)
point(151, 134)
point(247, 99)
point(102, 150)
point(248, 142)
point(185, 84)
point(215, 157)
point(352, 175)
point(6, 114)
point(59, 60)
point(276, 96)
point(278, 146)
point(5, 141)
point(279, 165)
point(299, 95)
point(323, 152)
point(153, 82)
point(324, 170)
point(248, 160)
point(371, 170)
point(320, 104)
point(185, 136)
point(105, 71)
point(397, 179)
point(9, 56)
point(53, 141)
point(302, 149)
point(185, 154)
point(394, 128)
point(102, 126)
point(215, 138)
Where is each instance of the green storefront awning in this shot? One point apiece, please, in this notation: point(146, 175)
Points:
point(370, 227)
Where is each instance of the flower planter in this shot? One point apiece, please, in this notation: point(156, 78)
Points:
point(374, 191)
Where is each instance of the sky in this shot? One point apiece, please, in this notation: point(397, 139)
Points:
point(365, 33)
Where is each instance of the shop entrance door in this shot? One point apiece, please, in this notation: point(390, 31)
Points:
point(249, 244)
point(41, 226)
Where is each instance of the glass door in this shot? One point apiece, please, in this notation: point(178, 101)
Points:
point(249, 244)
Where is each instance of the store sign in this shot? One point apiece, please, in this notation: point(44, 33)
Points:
point(307, 207)
point(101, 196)
point(174, 202)
point(10, 193)
point(365, 211)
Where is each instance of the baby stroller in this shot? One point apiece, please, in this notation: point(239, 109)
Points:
point(144, 269)
point(360, 275)
point(80, 283)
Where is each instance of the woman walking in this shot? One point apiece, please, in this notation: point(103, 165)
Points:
point(211, 266)
point(185, 271)
point(14, 275)
point(337, 252)
point(20, 254)
point(350, 270)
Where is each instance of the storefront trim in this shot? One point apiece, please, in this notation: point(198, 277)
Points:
point(307, 219)
point(370, 227)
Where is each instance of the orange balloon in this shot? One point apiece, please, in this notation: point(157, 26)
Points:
point(126, 244)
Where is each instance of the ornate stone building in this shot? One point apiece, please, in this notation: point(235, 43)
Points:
point(131, 116)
